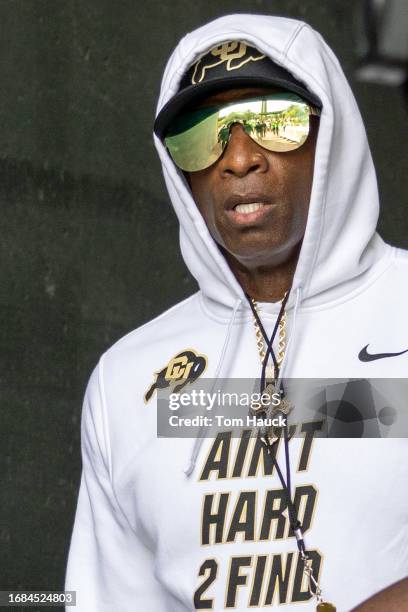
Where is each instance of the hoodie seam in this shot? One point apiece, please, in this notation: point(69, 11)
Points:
point(292, 39)
point(321, 229)
point(105, 416)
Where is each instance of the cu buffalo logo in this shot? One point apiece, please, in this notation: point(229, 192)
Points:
point(182, 369)
point(232, 54)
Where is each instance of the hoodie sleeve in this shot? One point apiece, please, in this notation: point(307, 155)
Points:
point(109, 567)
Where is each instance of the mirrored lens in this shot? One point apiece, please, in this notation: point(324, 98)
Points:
point(276, 124)
point(279, 123)
point(194, 145)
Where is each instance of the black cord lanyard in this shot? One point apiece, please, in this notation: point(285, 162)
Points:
point(286, 484)
point(294, 522)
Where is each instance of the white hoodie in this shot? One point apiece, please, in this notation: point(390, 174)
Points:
point(142, 538)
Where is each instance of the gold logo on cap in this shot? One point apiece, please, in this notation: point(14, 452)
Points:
point(234, 54)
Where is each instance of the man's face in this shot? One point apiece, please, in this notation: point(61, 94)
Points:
point(248, 173)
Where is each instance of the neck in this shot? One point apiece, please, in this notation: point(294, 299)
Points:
point(265, 283)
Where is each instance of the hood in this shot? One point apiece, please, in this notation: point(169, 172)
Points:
point(340, 242)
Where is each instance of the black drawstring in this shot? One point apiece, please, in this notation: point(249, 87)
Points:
point(293, 519)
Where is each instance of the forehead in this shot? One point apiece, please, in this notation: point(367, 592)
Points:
point(232, 95)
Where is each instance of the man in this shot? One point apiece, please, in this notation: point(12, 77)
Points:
point(278, 228)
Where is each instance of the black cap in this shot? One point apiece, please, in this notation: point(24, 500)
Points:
point(228, 65)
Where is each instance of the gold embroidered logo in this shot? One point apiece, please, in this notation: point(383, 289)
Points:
point(183, 368)
point(234, 54)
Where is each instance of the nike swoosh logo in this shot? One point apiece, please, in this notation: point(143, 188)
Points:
point(365, 356)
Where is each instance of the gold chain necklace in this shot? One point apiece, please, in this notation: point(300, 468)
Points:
point(260, 341)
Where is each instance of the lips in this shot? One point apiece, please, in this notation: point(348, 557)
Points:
point(242, 199)
point(247, 209)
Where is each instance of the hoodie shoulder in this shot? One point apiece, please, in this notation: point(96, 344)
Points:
point(156, 328)
point(401, 256)
point(129, 368)
point(396, 280)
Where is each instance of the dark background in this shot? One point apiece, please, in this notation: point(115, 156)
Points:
point(89, 243)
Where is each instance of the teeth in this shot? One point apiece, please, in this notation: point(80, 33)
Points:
point(248, 208)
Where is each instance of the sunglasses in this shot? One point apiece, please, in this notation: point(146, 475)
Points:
point(279, 122)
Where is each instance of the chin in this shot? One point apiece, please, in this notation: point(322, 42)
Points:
point(259, 254)
point(262, 250)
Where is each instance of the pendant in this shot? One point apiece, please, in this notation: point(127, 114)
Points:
point(268, 433)
point(270, 372)
point(325, 606)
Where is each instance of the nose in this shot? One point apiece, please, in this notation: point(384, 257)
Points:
point(242, 155)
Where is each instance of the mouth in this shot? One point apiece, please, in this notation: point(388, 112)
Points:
point(247, 210)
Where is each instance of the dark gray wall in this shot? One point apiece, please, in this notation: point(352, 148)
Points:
point(89, 245)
